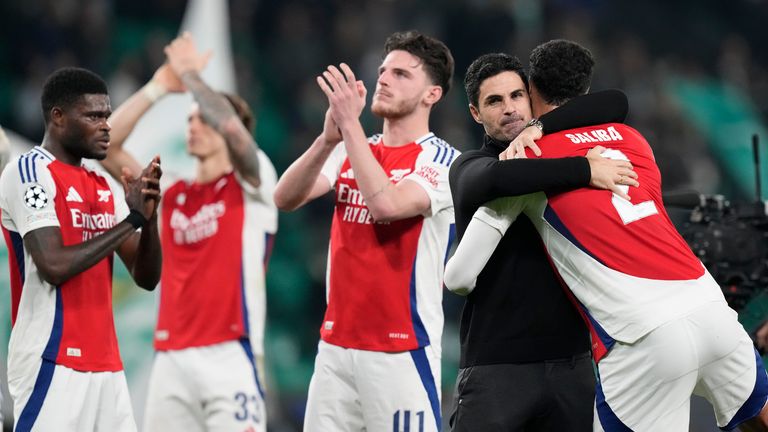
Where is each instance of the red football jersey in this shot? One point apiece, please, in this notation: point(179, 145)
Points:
point(70, 324)
point(216, 240)
point(384, 280)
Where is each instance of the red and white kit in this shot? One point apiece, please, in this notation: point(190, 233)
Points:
point(384, 293)
point(64, 367)
point(641, 290)
point(216, 238)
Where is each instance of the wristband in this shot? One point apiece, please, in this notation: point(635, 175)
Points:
point(136, 219)
point(153, 90)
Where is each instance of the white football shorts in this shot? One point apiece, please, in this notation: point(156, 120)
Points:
point(358, 390)
point(214, 388)
point(647, 385)
point(62, 399)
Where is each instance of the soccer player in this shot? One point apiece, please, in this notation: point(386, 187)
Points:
point(62, 222)
point(217, 233)
point(378, 361)
point(660, 324)
point(518, 328)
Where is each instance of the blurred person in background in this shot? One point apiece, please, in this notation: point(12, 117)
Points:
point(5, 154)
point(5, 150)
point(378, 360)
point(217, 233)
point(661, 327)
point(60, 223)
point(525, 361)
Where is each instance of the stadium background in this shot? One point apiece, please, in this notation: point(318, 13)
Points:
point(695, 72)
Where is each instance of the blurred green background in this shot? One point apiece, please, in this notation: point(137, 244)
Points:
point(695, 73)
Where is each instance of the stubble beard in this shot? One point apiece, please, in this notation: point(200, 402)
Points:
point(400, 110)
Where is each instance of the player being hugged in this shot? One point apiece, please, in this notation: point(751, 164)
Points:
point(661, 328)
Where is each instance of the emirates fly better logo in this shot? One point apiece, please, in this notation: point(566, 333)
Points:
point(35, 197)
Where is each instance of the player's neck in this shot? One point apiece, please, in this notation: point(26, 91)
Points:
point(211, 167)
point(539, 107)
point(54, 147)
point(405, 130)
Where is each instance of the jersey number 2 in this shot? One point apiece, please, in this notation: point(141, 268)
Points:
point(627, 211)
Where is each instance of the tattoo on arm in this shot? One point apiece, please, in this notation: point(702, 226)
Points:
point(219, 113)
point(214, 108)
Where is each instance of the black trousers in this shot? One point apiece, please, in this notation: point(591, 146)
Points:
point(554, 395)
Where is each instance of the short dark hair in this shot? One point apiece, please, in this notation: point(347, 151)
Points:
point(242, 110)
point(66, 85)
point(561, 70)
point(487, 66)
point(437, 58)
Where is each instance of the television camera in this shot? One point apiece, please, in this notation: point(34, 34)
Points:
point(730, 239)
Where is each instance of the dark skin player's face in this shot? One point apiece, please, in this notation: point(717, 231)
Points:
point(85, 130)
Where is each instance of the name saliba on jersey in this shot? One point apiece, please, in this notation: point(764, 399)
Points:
point(595, 135)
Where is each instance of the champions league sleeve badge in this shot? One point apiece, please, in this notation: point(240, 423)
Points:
point(35, 197)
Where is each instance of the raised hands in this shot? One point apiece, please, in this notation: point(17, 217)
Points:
point(183, 56)
point(142, 193)
point(346, 95)
point(168, 80)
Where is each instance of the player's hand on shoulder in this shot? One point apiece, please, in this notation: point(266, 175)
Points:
point(610, 174)
point(525, 139)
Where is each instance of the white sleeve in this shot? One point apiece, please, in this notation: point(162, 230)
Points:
point(27, 193)
point(332, 166)
point(483, 234)
point(262, 197)
point(267, 177)
point(431, 173)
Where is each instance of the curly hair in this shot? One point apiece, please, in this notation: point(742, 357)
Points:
point(437, 58)
point(66, 85)
point(561, 70)
point(487, 66)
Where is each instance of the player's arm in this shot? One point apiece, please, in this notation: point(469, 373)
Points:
point(482, 179)
point(58, 263)
point(607, 106)
point(302, 182)
point(128, 114)
point(483, 234)
point(141, 253)
point(386, 201)
point(215, 109)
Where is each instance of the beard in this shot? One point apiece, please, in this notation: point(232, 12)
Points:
point(399, 110)
point(77, 144)
point(509, 131)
